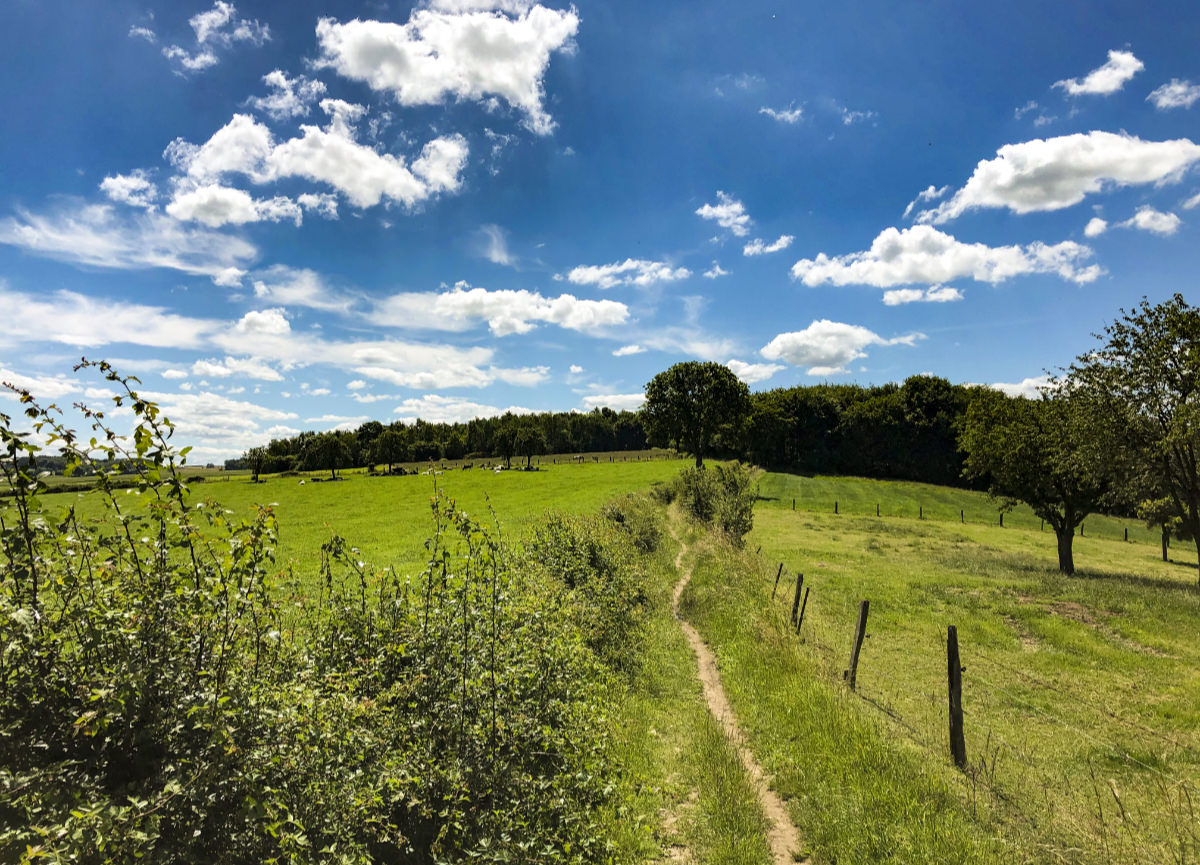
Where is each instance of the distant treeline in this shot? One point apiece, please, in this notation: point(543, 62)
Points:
point(906, 431)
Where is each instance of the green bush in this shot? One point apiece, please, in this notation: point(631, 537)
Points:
point(168, 700)
point(638, 516)
point(720, 494)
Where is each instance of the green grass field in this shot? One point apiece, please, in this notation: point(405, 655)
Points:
point(1082, 720)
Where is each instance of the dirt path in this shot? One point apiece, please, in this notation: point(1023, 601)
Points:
point(782, 836)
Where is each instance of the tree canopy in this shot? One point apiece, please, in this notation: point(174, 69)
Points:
point(692, 404)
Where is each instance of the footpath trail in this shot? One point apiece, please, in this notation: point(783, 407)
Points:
point(782, 837)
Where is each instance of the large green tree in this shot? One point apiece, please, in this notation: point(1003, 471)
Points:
point(1147, 373)
point(692, 404)
point(1041, 452)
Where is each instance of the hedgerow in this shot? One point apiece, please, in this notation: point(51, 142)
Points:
point(169, 697)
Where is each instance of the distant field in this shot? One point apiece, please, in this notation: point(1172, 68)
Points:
point(388, 517)
point(1081, 715)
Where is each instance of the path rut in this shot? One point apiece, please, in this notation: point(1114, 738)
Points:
point(782, 837)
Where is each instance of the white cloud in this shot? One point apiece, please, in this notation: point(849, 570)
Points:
point(320, 391)
point(787, 115)
point(96, 236)
point(752, 373)
point(241, 146)
point(615, 401)
point(1029, 387)
point(247, 367)
point(922, 254)
point(851, 117)
point(1192, 202)
point(1095, 227)
point(356, 384)
point(290, 97)
point(526, 376)
point(576, 369)
point(215, 205)
point(1154, 221)
point(1175, 94)
point(495, 244)
point(929, 193)
point(469, 52)
point(758, 247)
point(220, 27)
point(267, 321)
point(1109, 78)
point(339, 422)
point(138, 32)
point(631, 271)
point(289, 286)
point(506, 311)
point(626, 350)
point(218, 425)
point(368, 398)
point(933, 294)
point(1053, 173)
point(826, 347)
point(728, 212)
point(715, 271)
point(174, 374)
point(78, 320)
point(323, 204)
point(448, 409)
point(42, 387)
point(135, 189)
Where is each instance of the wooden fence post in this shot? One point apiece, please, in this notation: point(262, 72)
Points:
point(958, 745)
point(796, 600)
point(1127, 534)
point(859, 632)
point(962, 516)
point(920, 512)
point(877, 509)
point(835, 506)
point(1002, 519)
point(778, 574)
point(793, 503)
point(803, 607)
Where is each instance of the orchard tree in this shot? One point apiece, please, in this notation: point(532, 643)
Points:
point(692, 403)
point(1147, 376)
point(327, 450)
point(1041, 452)
point(390, 447)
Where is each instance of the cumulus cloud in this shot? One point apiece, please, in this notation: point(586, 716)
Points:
point(728, 213)
point(217, 424)
point(434, 408)
point(1153, 221)
point(930, 193)
point(42, 387)
point(759, 247)
point(615, 401)
point(1029, 387)
point(1053, 173)
point(1109, 78)
point(715, 271)
point(933, 294)
point(216, 27)
point(1192, 202)
point(135, 189)
point(266, 321)
point(1095, 227)
point(627, 350)
point(826, 347)
point(476, 52)
point(631, 271)
point(215, 205)
point(752, 373)
point(321, 203)
point(96, 236)
point(922, 254)
point(787, 115)
point(289, 97)
point(506, 311)
point(1175, 94)
point(329, 155)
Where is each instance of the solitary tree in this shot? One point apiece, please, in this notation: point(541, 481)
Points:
point(692, 403)
point(1147, 375)
point(1041, 452)
point(390, 448)
point(255, 457)
point(326, 450)
point(529, 441)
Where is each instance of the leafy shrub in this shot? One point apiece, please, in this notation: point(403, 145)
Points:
point(721, 494)
point(168, 700)
point(640, 519)
point(595, 563)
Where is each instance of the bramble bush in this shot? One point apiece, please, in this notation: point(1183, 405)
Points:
point(169, 698)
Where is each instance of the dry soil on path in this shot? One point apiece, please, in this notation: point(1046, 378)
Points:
point(783, 838)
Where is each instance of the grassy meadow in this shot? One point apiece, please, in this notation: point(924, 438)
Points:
point(1081, 716)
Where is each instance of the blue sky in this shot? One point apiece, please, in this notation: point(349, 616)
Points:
point(288, 216)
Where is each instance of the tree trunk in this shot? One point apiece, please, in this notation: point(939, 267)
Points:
point(1166, 541)
point(1066, 561)
point(699, 460)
